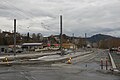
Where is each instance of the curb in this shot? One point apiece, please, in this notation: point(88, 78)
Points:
point(113, 64)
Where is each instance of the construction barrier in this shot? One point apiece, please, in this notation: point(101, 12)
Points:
point(104, 62)
point(69, 61)
point(6, 60)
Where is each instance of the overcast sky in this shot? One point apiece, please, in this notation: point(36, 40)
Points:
point(79, 16)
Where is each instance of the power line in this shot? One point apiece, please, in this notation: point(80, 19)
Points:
point(28, 16)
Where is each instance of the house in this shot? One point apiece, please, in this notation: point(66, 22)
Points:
point(68, 46)
point(31, 46)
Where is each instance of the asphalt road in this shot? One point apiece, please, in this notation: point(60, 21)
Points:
point(83, 68)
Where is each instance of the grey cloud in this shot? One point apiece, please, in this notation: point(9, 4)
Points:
point(79, 16)
point(108, 29)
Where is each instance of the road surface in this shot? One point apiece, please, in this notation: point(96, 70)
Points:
point(82, 68)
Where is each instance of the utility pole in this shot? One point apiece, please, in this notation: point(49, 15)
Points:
point(73, 38)
point(14, 37)
point(61, 34)
point(85, 35)
point(28, 34)
point(73, 42)
point(28, 37)
point(85, 39)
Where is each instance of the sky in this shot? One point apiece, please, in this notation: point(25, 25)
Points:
point(79, 16)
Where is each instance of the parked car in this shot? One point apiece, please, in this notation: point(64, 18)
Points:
point(113, 49)
point(10, 50)
point(19, 50)
point(65, 52)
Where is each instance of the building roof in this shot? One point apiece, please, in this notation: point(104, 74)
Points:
point(31, 44)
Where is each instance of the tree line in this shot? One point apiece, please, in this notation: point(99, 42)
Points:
point(7, 38)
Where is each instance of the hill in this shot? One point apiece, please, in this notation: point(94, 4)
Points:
point(99, 37)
